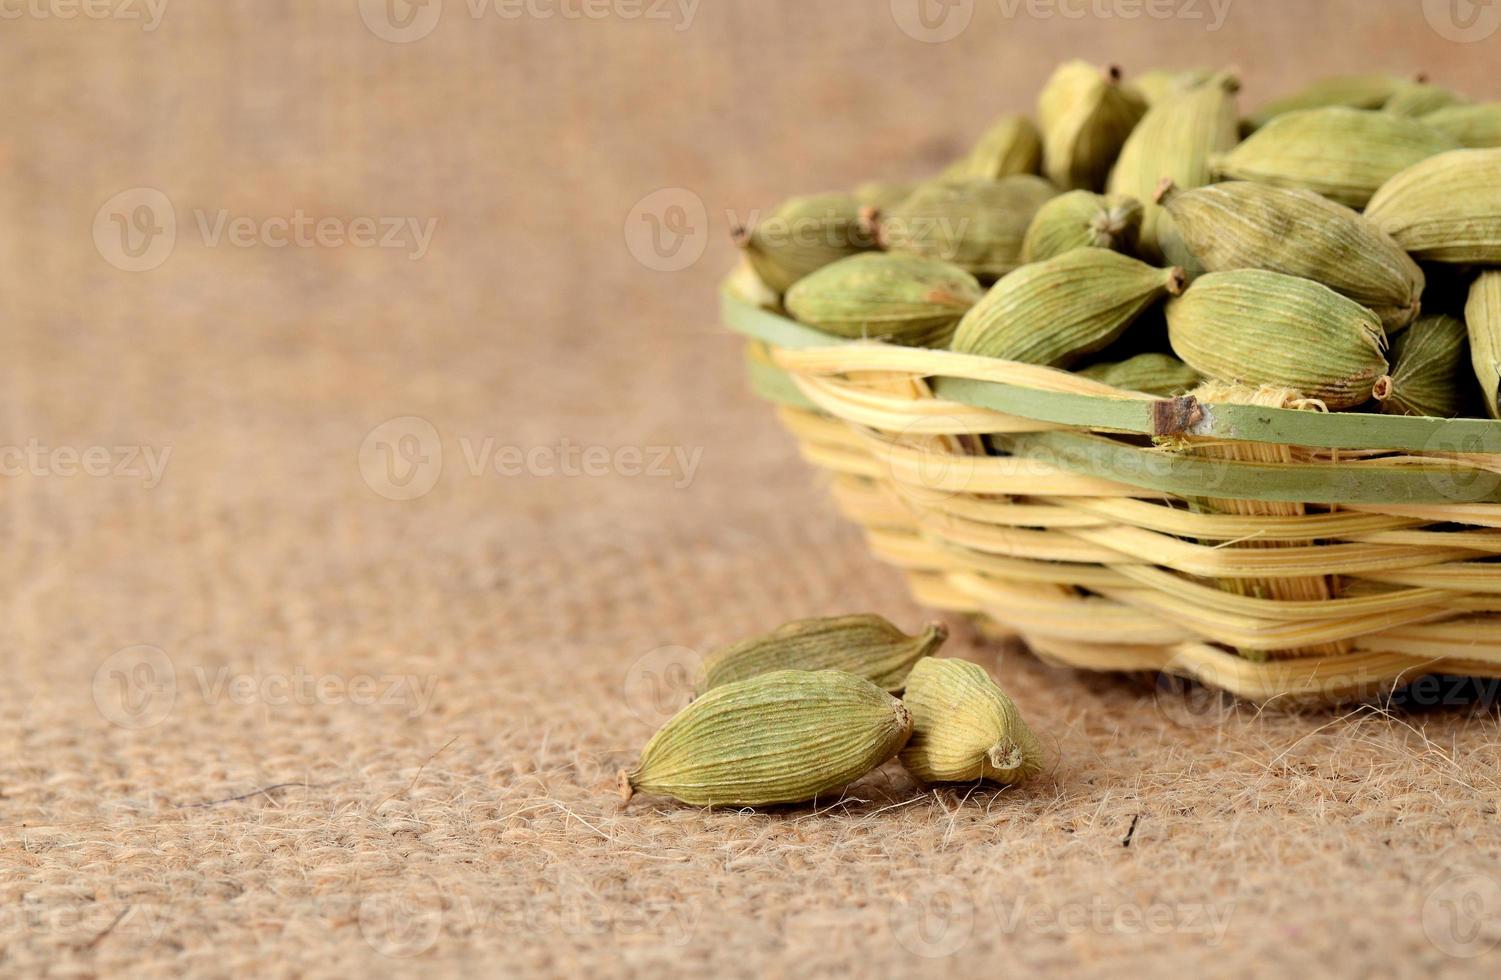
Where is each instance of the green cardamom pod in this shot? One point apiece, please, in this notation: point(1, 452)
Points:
point(1152, 374)
point(1012, 145)
point(1054, 312)
point(903, 299)
point(879, 195)
point(1427, 363)
point(1082, 219)
point(1244, 225)
point(783, 737)
point(1161, 84)
point(1256, 327)
point(965, 728)
point(1417, 99)
point(1086, 115)
point(1483, 321)
point(1369, 91)
point(1175, 140)
point(865, 645)
point(1474, 126)
point(1343, 154)
point(1446, 208)
point(802, 235)
point(977, 224)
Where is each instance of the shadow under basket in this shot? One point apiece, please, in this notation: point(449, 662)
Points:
point(1270, 551)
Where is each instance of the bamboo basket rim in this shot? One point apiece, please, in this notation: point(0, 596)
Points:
point(1072, 401)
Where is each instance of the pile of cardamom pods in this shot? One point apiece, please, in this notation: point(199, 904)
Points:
point(810, 708)
point(1343, 242)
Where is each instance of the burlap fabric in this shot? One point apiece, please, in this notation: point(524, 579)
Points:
point(297, 690)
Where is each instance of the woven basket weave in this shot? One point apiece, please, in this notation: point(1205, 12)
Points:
point(1262, 548)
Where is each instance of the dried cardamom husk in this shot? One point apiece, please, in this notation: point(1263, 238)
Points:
point(965, 728)
point(1175, 140)
point(903, 299)
point(865, 645)
point(1428, 359)
point(1367, 91)
point(1244, 225)
point(1446, 208)
point(1483, 321)
point(1161, 84)
point(1474, 126)
point(1251, 326)
point(1012, 145)
point(1343, 154)
point(977, 224)
point(1153, 374)
point(1086, 114)
point(1417, 99)
point(747, 287)
point(879, 195)
point(1082, 219)
point(782, 737)
point(802, 235)
point(1055, 312)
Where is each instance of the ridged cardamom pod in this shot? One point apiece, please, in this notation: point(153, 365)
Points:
point(1175, 140)
point(783, 737)
point(1012, 145)
point(1153, 374)
point(1086, 115)
point(1082, 219)
point(747, 287)
point(1474, 126)
point(1446, 208)
point(1483, 321)
point(865, 645)
point(1256, 327)
point(903, 299)
point(1368, 91)
point(878, 195)
point(1160, 84)
point(965, 728)
point(1244, 225)
point(1343, 154)
point(1428, 361)
point(1054, 312)
point(976, 224)
point(802, 235)
point(1417, 99)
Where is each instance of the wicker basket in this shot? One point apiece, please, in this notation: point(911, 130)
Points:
point(1267, 550)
